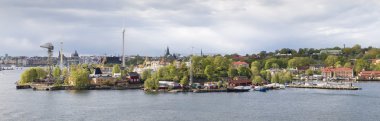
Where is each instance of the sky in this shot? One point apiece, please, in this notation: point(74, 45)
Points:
point(94, 27)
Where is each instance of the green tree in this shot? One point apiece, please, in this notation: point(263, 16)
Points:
point(257, 80)
point(338, 64)
point(348, 65)
point(57, 73)
point(286, 77)
point(275, 78)
point(152, 83)
point(331, 60)
point(116, 69)
point(184, 81)
point(255, 71)
point(275, 65)
point(244, 71)
point(146, 74)
point(309, 72)
point(360, 65)
point(41, 73)
point(232, 72)
point(268, 76)
point(256, 64)
point(210, 72)
point(28, 76)
point(79, 78)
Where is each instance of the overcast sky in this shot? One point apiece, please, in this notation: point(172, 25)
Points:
point(94, 27)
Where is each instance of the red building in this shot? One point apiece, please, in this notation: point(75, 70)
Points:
point(337, 73)
point(239, 81)
point(369, 75)
point(134, 78)
point(240, 64)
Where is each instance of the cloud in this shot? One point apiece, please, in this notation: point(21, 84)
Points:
point(223, 26)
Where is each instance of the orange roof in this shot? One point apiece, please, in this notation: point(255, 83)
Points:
point(369, 72)
point(239, 63)
point(335, 69)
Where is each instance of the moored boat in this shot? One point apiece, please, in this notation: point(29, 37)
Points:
point(239, 89)
point(260, 88)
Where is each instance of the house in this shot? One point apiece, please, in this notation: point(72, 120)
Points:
point(331, 52)
point(369, 75)
point(240, 64)
point(338, 73)
point(239, 81)
point(134, 77)
point(375, 61)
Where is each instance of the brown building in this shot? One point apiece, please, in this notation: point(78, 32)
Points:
point(337, 73)
point(369, 75)
point(239, 81)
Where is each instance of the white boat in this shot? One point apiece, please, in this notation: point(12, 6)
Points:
point(260, 88)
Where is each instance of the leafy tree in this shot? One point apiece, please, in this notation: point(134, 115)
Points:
point(28, 76)
point(57, 73)
point(331, 60)
point(309, 72)
point(255, 71)
point(268, 76)
point(116, 69)
point(79, 78)
point(287, 77)
point(257, 80)
point(361, 64)
point(256, 64)
point(152, 83)
point(244, 71)
point(232, 72)
point(41, 73)
point(210, 72)
point(297, 62)
point(184, 81)
point(338, 64)
point(348, 65)
point(146, 74)
point(275, 65)
point(275, 78)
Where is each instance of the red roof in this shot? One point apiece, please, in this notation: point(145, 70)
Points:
point(240, 63)
point(336, 69)
point(369, 73)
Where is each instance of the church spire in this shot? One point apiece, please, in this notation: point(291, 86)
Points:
point(167, 53)
point(201, 52)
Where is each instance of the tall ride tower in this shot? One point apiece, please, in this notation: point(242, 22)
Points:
point(123, 61)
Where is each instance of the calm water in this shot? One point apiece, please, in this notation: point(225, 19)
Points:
point(135, 105)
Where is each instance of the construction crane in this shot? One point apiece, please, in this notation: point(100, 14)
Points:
point(50, 49)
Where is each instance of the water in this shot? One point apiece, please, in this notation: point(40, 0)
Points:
point(135, 105)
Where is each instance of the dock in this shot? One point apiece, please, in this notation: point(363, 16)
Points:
point(209, 90)
point(326, 87)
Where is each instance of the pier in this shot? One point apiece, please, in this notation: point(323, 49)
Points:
point(326, 87)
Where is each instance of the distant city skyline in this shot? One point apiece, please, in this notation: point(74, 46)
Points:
point(225, 27)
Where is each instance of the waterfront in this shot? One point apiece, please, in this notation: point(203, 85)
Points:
point(288, 104)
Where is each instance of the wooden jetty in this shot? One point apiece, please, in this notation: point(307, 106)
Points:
point(23, 87)
point(326, 87)
point(209, 90)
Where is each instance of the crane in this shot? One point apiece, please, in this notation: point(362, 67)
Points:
point(50, 49)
